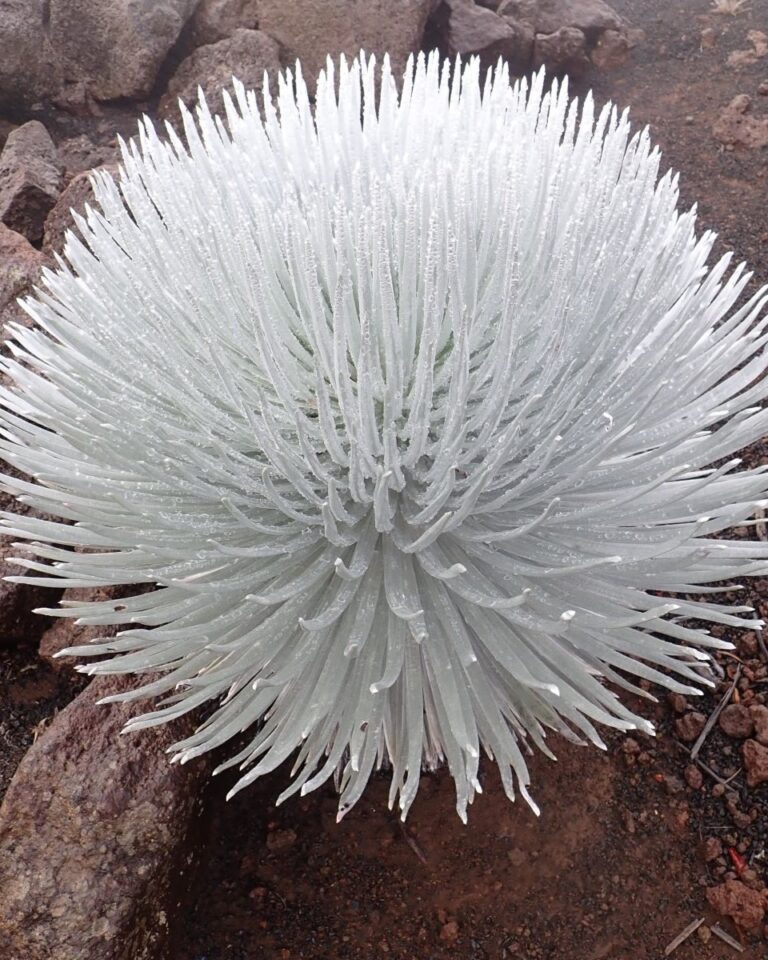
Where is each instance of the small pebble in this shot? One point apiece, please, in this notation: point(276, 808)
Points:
point(736, 721)
point(449, 931)
point(672, 784)
point(689, 726)
point(693, 777)
point(678, 702)
point(713, 848)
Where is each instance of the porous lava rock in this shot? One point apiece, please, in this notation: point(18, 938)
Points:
point(759, 713)
point(30, 179)
point(736, 127)
point(592, 17)
point(310, 31)
point(467, 29)
point(247, 54)
point(20, 265)
point(735, 899)
point(70, 50)
point(96, 837)
point(755, 762)
point(736, 721)
point(75, 197)
point(565, 36)
point(690, 725)
point(215, 20)
point(62, 632)
point(564, 51)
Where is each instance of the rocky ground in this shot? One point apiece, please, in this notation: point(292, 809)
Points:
point(101, 843)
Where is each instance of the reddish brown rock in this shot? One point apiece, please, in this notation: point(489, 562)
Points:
point(96, 837)
point(693, 777)
point(572, 34)
point(81, 154)
point(247, 54)
point(689, 726)
point(214, 20)
point(735, 126)
point(735, 899)
point(713, 848)
point(30, 179)
point(611, 50)
point(468, 29)
point(678, 702)
point(76, 196)
point(449, 931)
point(759, 714)
point(26, 59)
point(63, 632)
point(71, 51)
point(115, 49)
point(755, 761)
point(309, 31)
point(592, 17)
point(736, 721)
point(564, 51)
point(20, 266)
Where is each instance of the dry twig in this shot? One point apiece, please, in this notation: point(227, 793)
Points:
point(682, 936)
point(715, 714)
point(760, 640)
point(726, 937)
point(412, 843)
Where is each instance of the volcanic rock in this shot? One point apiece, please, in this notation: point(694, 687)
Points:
point(759, 713)
point(215, 20)
point(62, 632)
point(76, 196)
point(735, 126)
point(20, 266)
point(564, 51)
point(30, 179)
point(70, 50)
point(468, 29)
point(96, 836)
point(247, 54)
point(736, 721)
point(310, 31)
point(592, 17)
point(736, 900)
point(690, 725)
point(755, 761)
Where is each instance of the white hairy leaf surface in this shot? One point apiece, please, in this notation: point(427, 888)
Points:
point(406, 404)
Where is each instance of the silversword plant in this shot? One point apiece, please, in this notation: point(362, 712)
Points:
point(407, 405)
